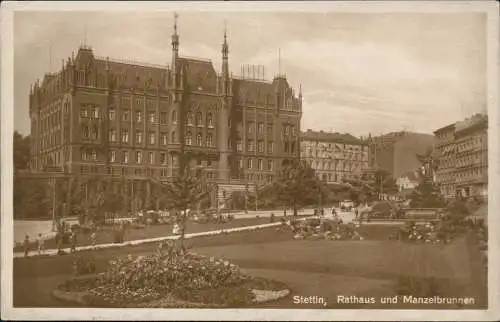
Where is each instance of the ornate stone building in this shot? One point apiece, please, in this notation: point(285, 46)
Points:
point(334, 156)
point(463, 158)
point(102, 116)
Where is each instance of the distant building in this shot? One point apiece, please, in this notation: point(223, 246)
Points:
point(334, 156)
point(407, 181)
point(462, 149)
point(396, 152)
point(102, 116)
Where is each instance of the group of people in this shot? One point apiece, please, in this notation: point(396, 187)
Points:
point(40, 241)
point(62, 237)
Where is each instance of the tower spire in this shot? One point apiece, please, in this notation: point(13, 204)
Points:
point(50, 56)
point(225, 62)
point(279, 61)
point(175, 51)
point(175, 22)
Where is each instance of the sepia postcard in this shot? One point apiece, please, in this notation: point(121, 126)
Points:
point(250, 160)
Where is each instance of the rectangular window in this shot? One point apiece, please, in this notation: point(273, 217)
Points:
point(163, 118)
point(163, 158)
point(260, 146)
point(239, 145)
point(83, 112)
point(124, 135)
point(112, 135)
point(138, 116)
point(249, 163)
point(151, 157)
point(270, 164)
point(95, 112)
point(152, 138)
point(112, 157)
point(84, 156)
point(125, 115)
point(261, 127)
point(250, 146)
point(270, 147)
point(164, 139)
point(111, 114)
point(251, 127)
point(260, 164)
point(138, 157)
point(138, 137)
point(152, 117)
point(125, 157)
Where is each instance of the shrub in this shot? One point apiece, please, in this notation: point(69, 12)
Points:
point(167, 273)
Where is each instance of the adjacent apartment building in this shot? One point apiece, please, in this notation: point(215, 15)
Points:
point(334, 156)
point(463, 158)
point(103, 116)
point(396, 152)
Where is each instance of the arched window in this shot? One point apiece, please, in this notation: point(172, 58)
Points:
point(189, 139)
point(199, 119)
point(95, 132)
point(198, 140)
point(173, 137)
point(210, 140)
point(209, 120)
point(85, 131)
point(189, 118)
point(174, 116)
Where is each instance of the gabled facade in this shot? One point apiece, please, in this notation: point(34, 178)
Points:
point(102, 116)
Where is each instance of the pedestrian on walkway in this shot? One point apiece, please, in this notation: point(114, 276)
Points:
point(41, 244)
point(93, 239)
point(26, 245)
point(73, 242)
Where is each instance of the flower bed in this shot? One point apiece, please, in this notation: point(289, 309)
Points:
point(171, 280)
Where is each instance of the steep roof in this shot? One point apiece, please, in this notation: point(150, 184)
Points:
point(335, 137)
point(249, 90)
point(134, 74)
point(200, 73)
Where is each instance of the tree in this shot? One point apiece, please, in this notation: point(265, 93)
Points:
point(31, 198)
point(21, 151)
point(296, 183)
point(183, 193)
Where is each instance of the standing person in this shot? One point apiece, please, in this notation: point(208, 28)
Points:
point(73, 242)
point(93, 239)
point(41, 244)
point(59, 242)
point(26, 245)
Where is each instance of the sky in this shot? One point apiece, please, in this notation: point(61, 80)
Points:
point(360, 73)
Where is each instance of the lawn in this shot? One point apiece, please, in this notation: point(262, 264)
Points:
point(310, 268)
point(106, 234)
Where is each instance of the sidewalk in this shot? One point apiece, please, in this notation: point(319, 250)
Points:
point(52, 252)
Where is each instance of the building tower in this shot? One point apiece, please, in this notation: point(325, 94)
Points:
point(175, 53)
point(223, 129)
